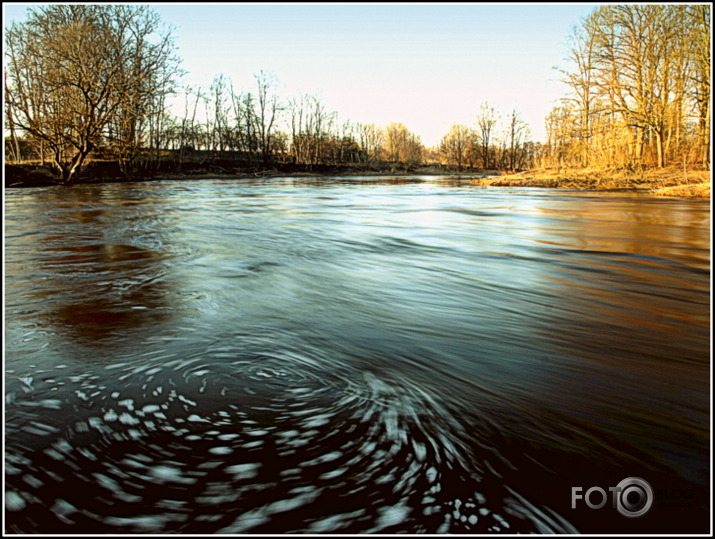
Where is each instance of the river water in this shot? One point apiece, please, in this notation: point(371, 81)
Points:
point(353, 355)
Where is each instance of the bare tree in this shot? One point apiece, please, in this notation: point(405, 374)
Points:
point(401, 145)
point(580, 80)
point(454, 146)
point(268, 108)
point(637, 51)
point(698, 21)
point(370, 141)
point(486, 122)
point(220, 132)
point(517, 130)
point(74, 69)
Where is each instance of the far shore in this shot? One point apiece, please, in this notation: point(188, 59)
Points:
point(672, 181)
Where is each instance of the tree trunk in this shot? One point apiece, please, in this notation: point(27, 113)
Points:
point(659, 147)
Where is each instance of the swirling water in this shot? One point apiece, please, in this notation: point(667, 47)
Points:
point(352, 355)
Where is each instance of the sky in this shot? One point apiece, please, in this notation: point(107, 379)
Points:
point(425, 65)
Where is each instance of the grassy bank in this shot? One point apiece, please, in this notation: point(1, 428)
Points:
point(672, 181)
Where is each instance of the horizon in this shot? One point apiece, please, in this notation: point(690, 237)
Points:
point(427, 66)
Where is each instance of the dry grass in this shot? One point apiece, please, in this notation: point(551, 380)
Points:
point(694, 183)
point(701, 190)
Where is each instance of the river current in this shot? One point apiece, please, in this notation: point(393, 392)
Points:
point(353, 355)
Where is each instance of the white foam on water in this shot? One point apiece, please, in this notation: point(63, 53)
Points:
point(293, 503)
point(128, 419)
point(37, 432)
point(127, 403)
point(246, 521)
point(391, 516)
point(420, 450)
point(126, 497)
point(444, 527)
point(53, 454)
point(431, 474)
point(328, 457)
point(52, 404)
point(250, 445)
point(63, 446)
point(318, 421)
point(290, 472)
point(14, 502)
point(106, 482)
point(132, 463)
point(308, 411)
point(146, 523)
point(86, 453)
point(221, 450)
point(62, 508)
point(169, 474)
point(368, 448)
point(334, 473)
point(332, 522)
point(185, 400)
point(244, 471)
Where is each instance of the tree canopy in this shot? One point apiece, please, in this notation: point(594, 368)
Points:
point(78, 74)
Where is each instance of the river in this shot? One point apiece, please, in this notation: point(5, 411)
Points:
point(353, 355)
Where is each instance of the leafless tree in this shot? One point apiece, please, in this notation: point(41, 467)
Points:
point(454, 146)
point(268, 109)
point(401, 145)
point(74, 71)
point(370, 141)
point(486, 122)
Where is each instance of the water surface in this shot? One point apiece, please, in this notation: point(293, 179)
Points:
point(352, 355)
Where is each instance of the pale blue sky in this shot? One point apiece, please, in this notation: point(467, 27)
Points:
point(426, 65)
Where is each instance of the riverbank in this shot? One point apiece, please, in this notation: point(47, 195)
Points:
point(29, 175)
point(672, 181)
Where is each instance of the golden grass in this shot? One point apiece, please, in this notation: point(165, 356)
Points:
point(700, 190)
point(693, 183)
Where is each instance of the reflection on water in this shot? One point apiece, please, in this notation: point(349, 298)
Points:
point(111, 307)
point(353, 355)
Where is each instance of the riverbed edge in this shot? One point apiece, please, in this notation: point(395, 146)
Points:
point(666, 182)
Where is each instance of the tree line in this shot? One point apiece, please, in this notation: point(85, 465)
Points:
point(639, 89)
point(95, 81)
point(490, 143)
point(260, 125)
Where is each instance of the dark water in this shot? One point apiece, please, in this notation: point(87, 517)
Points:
point(353, 356)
